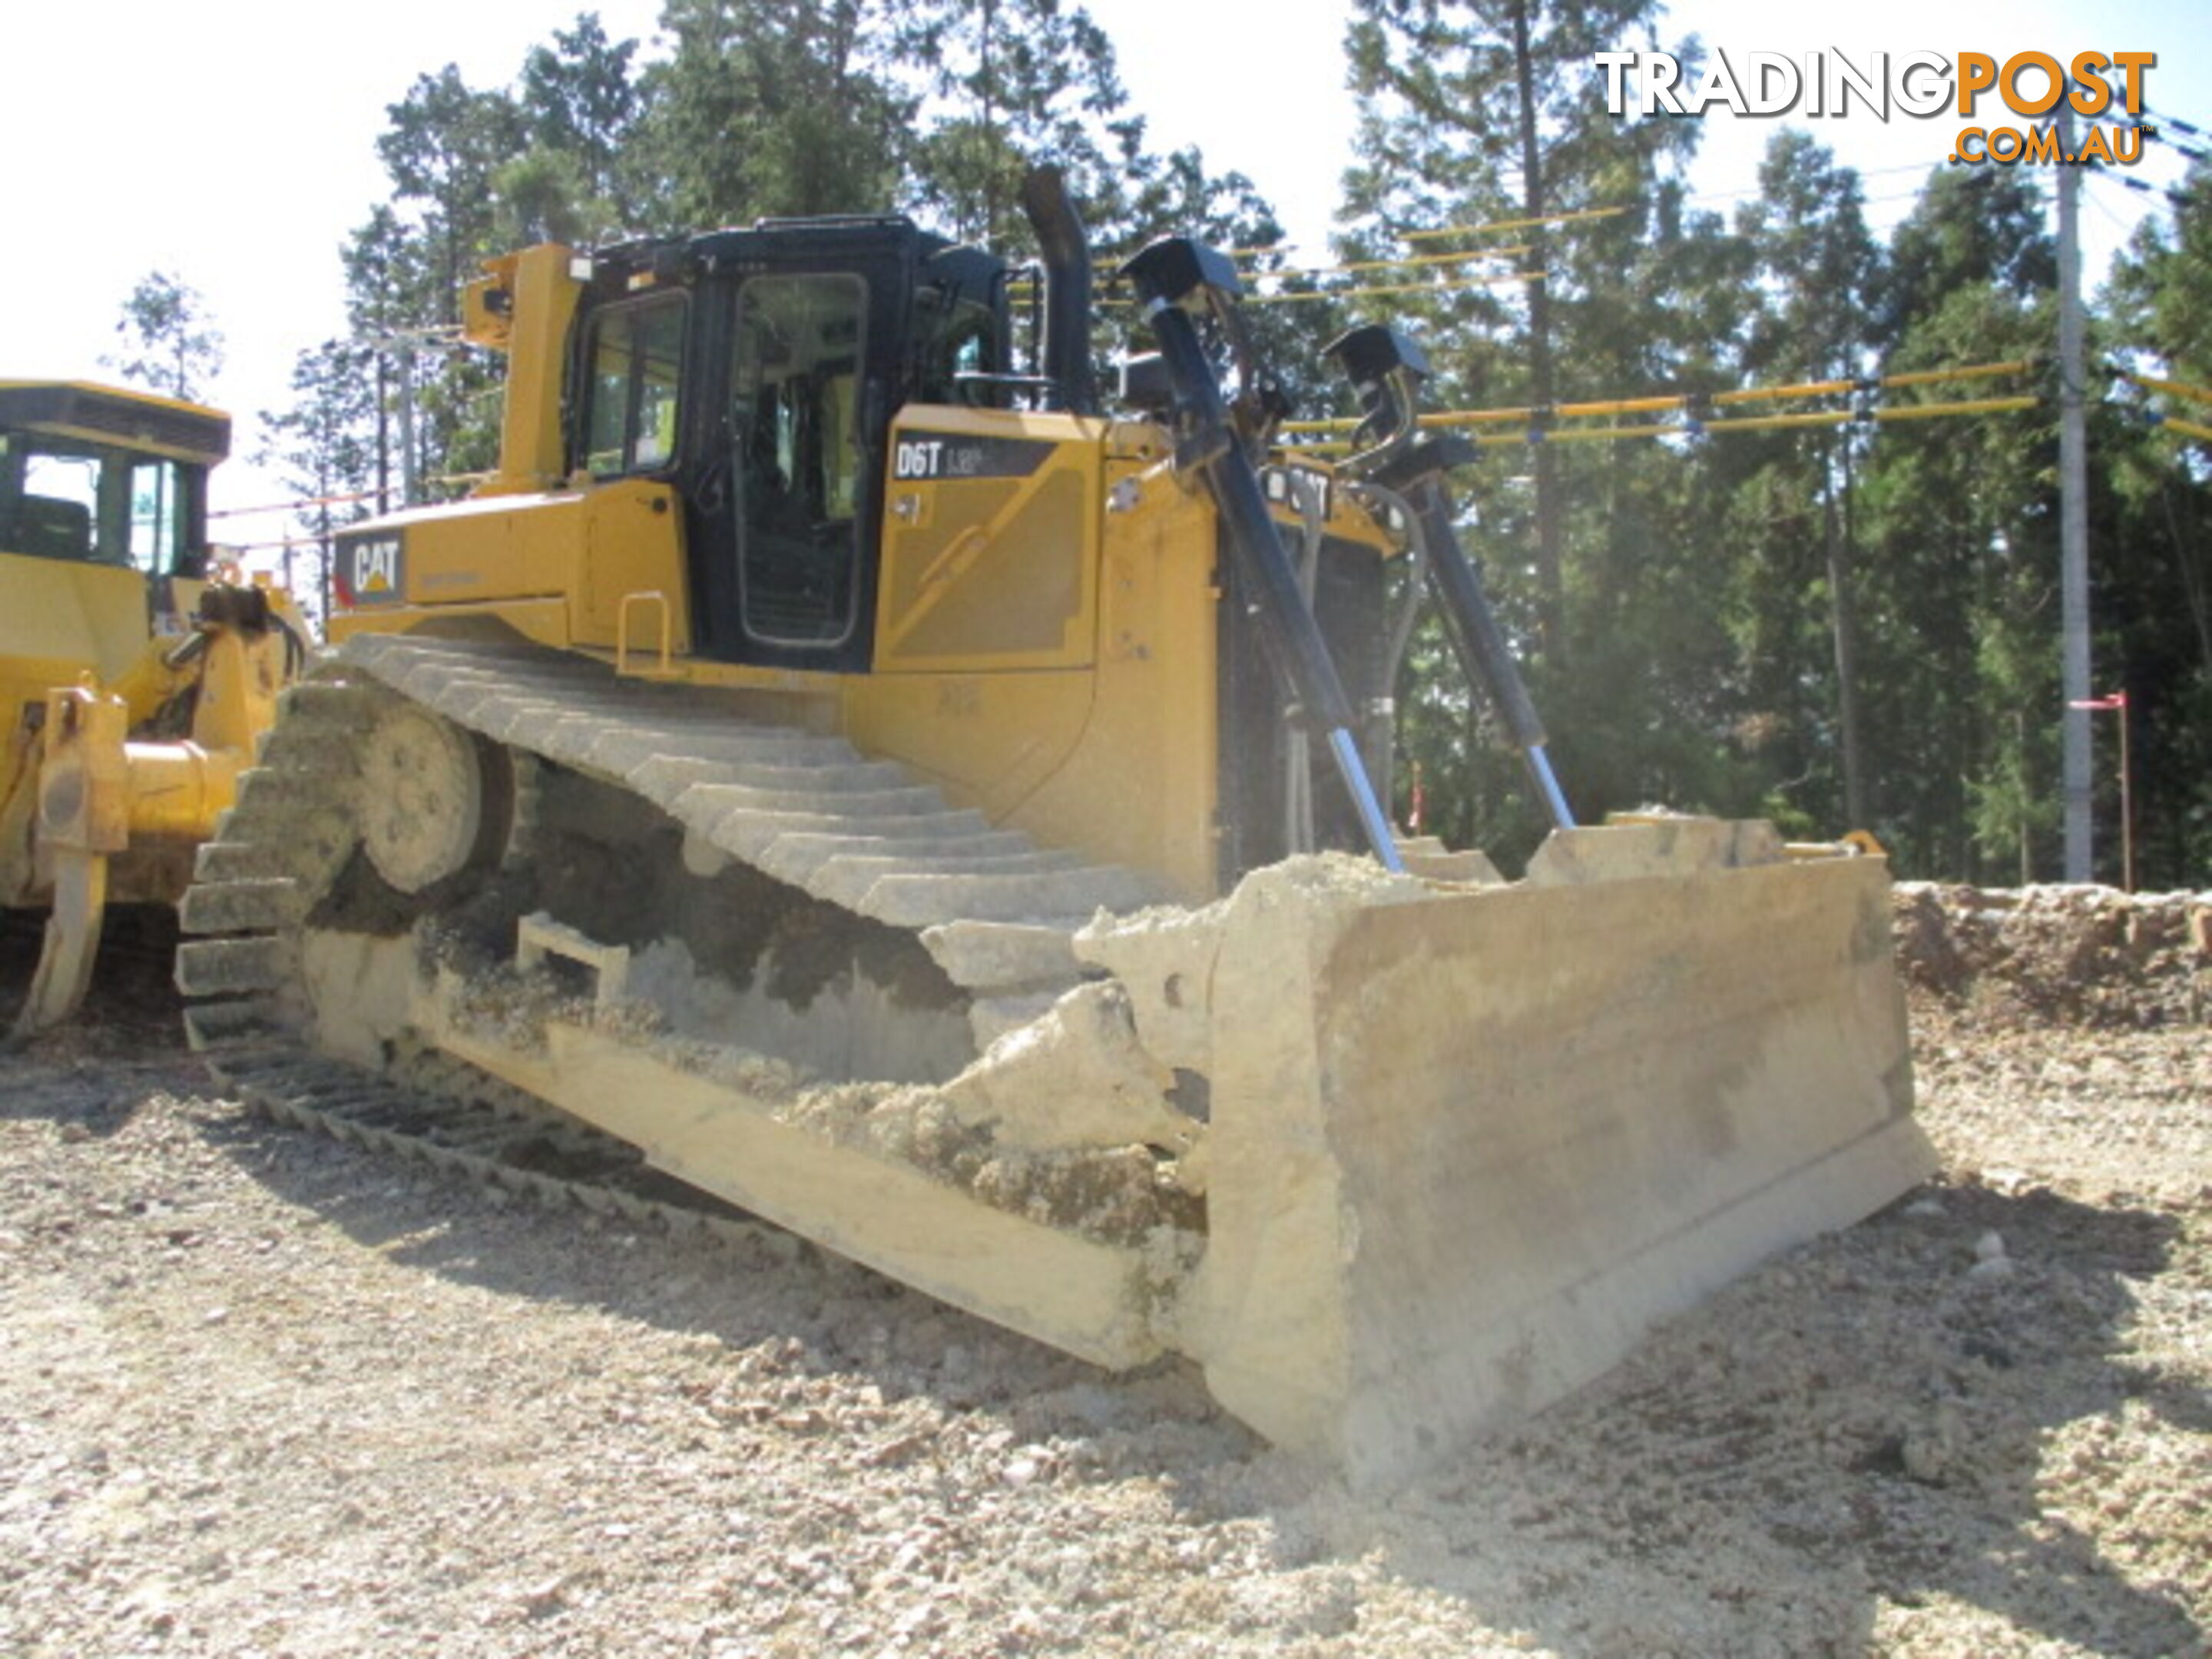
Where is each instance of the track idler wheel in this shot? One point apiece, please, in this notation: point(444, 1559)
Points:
point(435, 800)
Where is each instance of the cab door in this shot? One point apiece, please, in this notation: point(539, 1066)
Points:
point(799, 462)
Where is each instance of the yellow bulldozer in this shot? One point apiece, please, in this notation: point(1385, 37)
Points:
point(133, 680)
point(859, 771)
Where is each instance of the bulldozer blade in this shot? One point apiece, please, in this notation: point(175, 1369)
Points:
point(64, 975)
point(1467, 1149)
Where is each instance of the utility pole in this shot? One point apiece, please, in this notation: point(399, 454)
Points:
point(411, 487)
point(2073, 510)
point(399, 347)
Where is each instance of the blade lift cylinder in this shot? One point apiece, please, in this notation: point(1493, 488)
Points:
point(1386, 368)
point(1173, 277)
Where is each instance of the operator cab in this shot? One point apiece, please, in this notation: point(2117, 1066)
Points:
point(758, 372)
point(95, 476)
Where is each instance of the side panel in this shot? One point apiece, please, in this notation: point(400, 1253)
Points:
point(1057, 672)
point(556, 568)
point(59, 618)
point(990, 543)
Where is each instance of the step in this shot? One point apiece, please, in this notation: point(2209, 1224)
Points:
point(240, 861)
point(624, 752)
point(321, 701)
point(706, 806)
point(277, 790)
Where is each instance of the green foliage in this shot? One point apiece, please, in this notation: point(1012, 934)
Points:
point(1005, 85)
point(169, 343)
point(581, 103)
point(766, 107)
point(1835, 627)
point(323, 446)
point(2155, 588)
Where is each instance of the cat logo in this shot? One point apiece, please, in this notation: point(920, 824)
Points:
point(370, 571)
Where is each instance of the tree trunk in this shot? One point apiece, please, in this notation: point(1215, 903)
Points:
point(1844, 619)
point(1550, 586)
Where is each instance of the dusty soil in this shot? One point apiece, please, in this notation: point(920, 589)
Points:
point(265, 1394)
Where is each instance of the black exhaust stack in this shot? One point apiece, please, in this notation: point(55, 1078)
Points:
point(1067, 255)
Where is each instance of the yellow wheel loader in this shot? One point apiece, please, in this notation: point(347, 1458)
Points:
point(897, 794)
point(132, 683)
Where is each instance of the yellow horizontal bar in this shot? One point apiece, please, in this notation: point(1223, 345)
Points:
point(1969, 372)
point(2179, 388)
point(1446, 417)
point(2186, 428)
point(1756, 394)
point(1407, 287)
point(1620, 406)
point(1839, 388)
point(1722, 399)
point(1408, 263)
point(1972, 406)
point(1476, 416)
point(1750, 423)
point(1781, 422)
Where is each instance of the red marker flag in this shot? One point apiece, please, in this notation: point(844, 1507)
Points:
point(2117, 700)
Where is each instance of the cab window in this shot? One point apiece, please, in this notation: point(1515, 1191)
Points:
point(93, 503)
point(958, 337)
point(635, 359)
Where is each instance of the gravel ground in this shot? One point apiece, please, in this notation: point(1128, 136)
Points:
point(266, 1395)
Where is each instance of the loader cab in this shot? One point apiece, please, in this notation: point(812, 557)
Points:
point(759, 371)
point(95, 476)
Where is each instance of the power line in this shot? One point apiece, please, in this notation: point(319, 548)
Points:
point(2098, 202)
point(1571, 217)
point(1451, 286)
point(1692, 403)
point(1701, 428)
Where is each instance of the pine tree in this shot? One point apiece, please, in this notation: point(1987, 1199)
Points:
point(170, 343)
point(1961, 571)
point(1480, 111)
point(2155, 575)
point(1817, 268)
point(1004, 86)
point(325, 446)
point(769, 107)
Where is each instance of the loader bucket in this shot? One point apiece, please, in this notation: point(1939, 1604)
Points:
point(1468, 1147)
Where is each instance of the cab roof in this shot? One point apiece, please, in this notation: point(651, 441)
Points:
point(114, 414)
